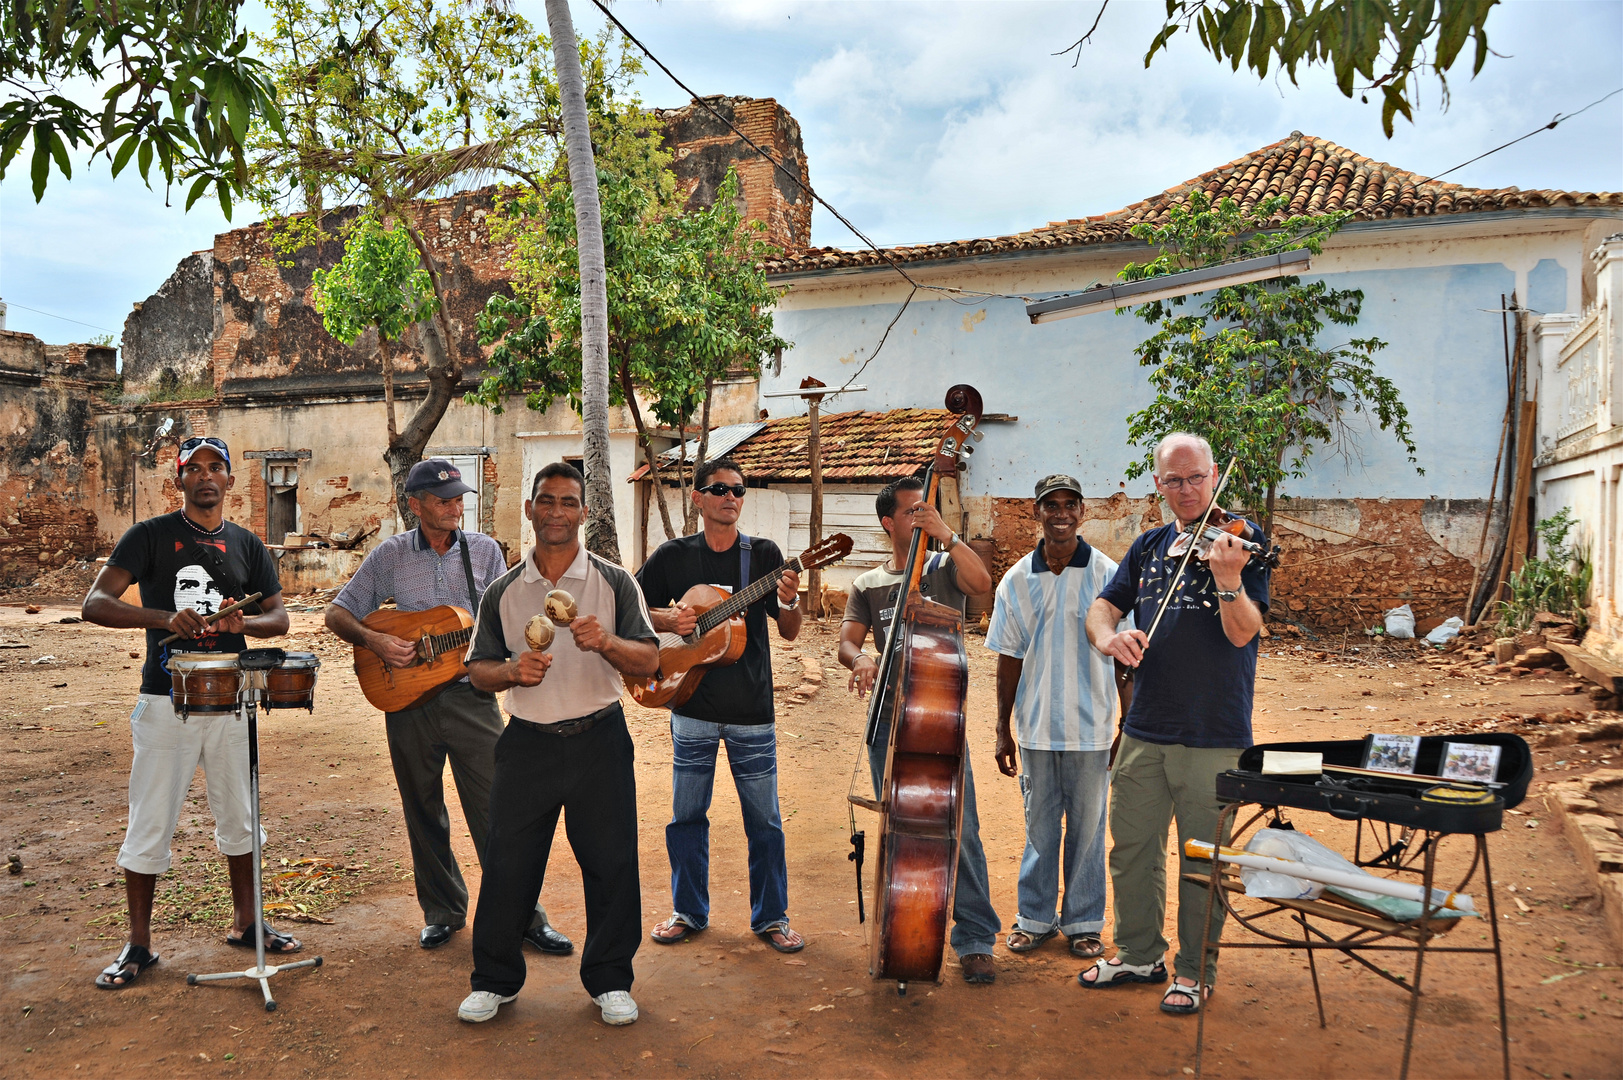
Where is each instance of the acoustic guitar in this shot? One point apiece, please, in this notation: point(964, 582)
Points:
point(442, 635)
point(719, 638)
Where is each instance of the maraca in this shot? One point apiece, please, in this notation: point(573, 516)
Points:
point(560, 607)
point(539, 632)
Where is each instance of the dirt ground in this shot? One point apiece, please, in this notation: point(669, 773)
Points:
point(722, 1004)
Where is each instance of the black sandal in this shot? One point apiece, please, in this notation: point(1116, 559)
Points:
point(132, 960)
point(275, 941)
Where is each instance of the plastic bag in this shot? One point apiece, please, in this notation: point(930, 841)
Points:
point(1447, 632)
point(1400, 622)
point(1276, 843)
point(1282, 844)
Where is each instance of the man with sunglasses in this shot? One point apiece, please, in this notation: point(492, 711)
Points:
point(733, 704)
point(1189, 720)
point(437, 563)
point(189, 564)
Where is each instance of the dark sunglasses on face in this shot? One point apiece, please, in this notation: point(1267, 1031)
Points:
point(718, 490)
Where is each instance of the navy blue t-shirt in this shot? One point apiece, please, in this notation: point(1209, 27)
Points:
point(1193, 688)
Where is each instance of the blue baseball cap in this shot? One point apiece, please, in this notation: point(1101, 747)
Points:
point(192, 445)
point(438, 477)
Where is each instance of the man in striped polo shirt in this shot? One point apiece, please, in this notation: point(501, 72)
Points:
point(1056, 699)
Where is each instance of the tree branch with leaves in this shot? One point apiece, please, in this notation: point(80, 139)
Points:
point(1246, 370)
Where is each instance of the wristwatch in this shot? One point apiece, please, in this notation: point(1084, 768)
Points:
point(1228, 596)
point(789, 607)
point(952, 542)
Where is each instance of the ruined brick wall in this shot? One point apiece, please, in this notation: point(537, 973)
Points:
point(49, 466)
point(703, 148)
point(268, 327)
point(168, 339)
point(1346, 561)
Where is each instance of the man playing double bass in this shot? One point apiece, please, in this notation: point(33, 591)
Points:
point(949, 577)
point(1189, 720)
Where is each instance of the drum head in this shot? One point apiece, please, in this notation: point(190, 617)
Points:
point(203, 661)
point(300, 660)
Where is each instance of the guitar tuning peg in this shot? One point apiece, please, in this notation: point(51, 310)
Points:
point(966, 451)
point(979, 434)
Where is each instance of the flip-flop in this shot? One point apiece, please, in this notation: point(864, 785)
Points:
point(1028, 941)
point(792, 942)
point(275, 941)
point(137, 955)
point(662, 933)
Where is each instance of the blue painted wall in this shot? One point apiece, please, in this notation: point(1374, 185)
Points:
point(1072, 383)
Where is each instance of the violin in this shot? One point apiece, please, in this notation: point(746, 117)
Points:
point(1219, 523)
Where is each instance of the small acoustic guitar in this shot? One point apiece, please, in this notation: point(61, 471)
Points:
point(719, 638)
point(442, 635)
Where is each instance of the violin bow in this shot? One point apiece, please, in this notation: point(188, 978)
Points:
point(1166, 597)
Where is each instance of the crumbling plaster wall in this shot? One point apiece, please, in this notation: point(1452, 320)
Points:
point(49, 466)
point(168, 338)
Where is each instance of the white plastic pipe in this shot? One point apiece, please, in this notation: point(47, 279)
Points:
point(1342, 879)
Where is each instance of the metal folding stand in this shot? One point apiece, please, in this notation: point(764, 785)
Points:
point(253, 690)
point(1369, 931)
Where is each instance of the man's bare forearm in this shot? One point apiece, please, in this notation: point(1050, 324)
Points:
point(493, 676)
point(1101, 622)
point(635, 658)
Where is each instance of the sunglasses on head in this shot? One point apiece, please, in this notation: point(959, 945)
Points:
point(718, 490)
point(201, 440)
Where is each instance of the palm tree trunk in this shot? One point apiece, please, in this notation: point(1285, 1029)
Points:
point(601, 534)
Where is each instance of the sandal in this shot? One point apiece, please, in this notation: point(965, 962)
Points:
point(783, 939)
point(275, 941)
point(1087, 946)
point(1113, 971)
point(673, 931)
point(1020, 941)
point(1194, 994)
point(132, 960)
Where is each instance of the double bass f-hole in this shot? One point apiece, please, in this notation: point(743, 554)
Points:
point(920, 689)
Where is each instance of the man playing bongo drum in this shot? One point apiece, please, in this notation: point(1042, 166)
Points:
point(189, 564)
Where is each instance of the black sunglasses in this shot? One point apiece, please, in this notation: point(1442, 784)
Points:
point(718, 490)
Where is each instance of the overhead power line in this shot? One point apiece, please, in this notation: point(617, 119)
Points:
point(1559, 117)
point(51, 315)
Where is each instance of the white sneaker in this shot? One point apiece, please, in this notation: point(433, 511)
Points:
point(618, 1008)
point(481, 1005)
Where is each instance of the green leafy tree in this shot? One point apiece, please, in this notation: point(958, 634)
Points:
point(380, 285)
point(387, 102)
point(178, 90)
point(1246, 370)
point(688, 302)
point(1382, 45)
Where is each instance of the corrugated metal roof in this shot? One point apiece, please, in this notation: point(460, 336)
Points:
point(723, 440)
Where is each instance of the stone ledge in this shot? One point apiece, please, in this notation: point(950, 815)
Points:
point(1595, 837)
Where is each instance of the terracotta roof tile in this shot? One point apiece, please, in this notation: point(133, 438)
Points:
point(861, 447)
point(1316, 175)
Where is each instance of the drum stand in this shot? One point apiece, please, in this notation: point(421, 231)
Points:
point(254, 669)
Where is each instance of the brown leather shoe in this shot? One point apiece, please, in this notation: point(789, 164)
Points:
point(978, 968)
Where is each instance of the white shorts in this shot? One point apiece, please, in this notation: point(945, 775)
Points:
point(168, 751)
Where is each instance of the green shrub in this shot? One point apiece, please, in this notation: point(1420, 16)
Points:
point(1558, 582)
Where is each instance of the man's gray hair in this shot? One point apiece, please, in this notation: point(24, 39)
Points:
point(1182, 436)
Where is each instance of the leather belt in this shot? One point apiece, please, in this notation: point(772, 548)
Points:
point(578, 726)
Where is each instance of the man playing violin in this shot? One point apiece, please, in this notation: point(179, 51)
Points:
point(1189, 720)
point(949, 577)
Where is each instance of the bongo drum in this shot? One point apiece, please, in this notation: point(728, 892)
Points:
point(205, 682)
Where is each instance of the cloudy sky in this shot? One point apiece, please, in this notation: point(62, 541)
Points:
point(927, 122)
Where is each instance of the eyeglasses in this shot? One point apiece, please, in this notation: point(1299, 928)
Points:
point(1176, 483)
point(718, 490)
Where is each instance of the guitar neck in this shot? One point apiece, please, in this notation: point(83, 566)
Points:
point(743, 598)
point(441, 643)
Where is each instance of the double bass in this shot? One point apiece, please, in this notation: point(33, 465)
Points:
point(921, 686)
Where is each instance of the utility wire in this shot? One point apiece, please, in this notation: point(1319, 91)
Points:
point(1558, 119)
point(64, 318)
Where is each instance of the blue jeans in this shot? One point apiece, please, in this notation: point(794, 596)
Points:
point(1072, 786)
point(975, 923)
point(752, 754)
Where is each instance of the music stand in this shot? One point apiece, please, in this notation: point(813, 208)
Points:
point(254, 663)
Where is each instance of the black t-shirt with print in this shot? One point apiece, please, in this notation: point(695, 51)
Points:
point(739, 693)
point(169, 559)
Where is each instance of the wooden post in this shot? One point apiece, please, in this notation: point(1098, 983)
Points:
point(814, 578)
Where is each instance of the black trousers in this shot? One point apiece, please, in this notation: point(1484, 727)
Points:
point(589, 777)
point(460, 724)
